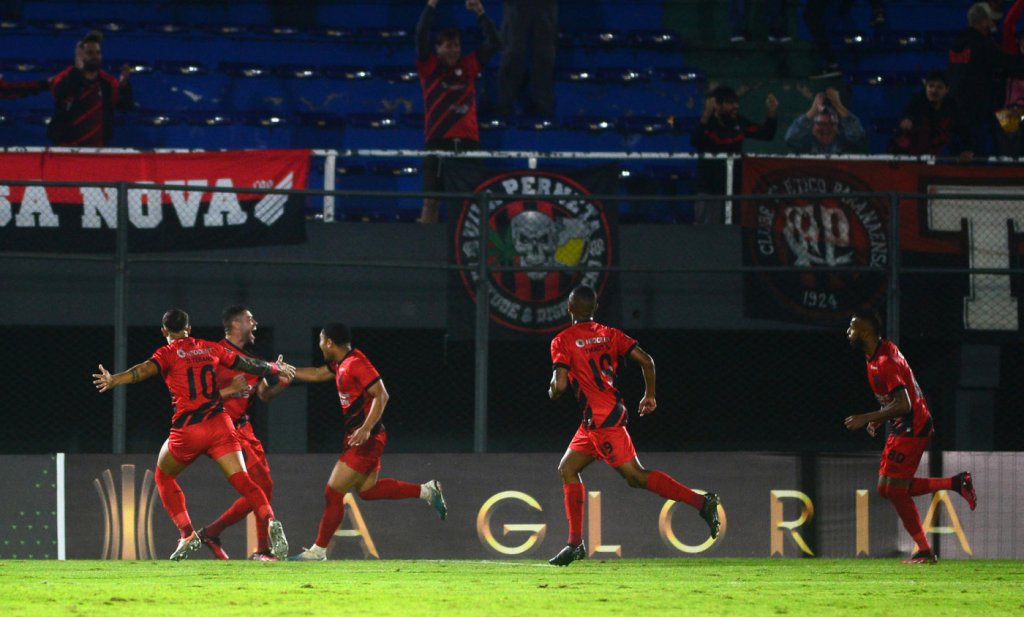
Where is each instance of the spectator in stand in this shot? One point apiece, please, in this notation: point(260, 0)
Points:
point(18, 89)
point(449, 93)
point(773, 12)
point(974, 59)
point(814, 17)
point(930, 122)
point(86, 98)
point(1013, 108)
point(536, 22)
point(723, 130)
point(828, 127)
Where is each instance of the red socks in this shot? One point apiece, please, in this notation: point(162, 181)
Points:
point(662, 484)
point(390, 489)
point(257, 501)
point(574, 500)
point(925, 486)
point(174, 502)
point(241, 508)
point(900, 498)
point(334, 513)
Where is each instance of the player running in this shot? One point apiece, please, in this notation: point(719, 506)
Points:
point(239, 391)
point(910, 430)
point(199, 426)
point(586, 356)
point(363, 399)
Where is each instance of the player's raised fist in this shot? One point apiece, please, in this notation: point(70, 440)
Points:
point(103, 380)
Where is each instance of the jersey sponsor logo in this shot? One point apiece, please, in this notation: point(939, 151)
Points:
point(835, 233)
point(538, 233)
point(194, 352)
point(583, 342)
point(346, 399)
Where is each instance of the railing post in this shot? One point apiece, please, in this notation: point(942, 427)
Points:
point(330, 169)
point(892, 306)
point(121, 318)
point(730, 170)
point(483, 318)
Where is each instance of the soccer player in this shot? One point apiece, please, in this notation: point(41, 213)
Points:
point(199, 426)
point(910, 430)
point(586, 356)
point(239, 391)
point(363, 399)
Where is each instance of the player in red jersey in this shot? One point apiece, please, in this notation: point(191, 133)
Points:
point(449, 93)
point(363, 399)
point(586, 357)
point(199, 426)
point(910, 430)
point(239, 391)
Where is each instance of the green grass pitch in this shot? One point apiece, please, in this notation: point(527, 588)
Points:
point(594, 587)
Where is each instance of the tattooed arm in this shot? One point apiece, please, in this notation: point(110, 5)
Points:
point(254, 366)
point(105, 381)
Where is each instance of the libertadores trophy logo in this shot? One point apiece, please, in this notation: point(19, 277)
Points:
point(127, 521)
point(836, 233)
point(551, 227)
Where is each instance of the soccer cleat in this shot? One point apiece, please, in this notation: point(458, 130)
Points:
point(437, 498)
point(710, 513)
point(212, 543)
point(278, 543)
point(309, 554)
point(922, 557)
point(569, 554)
point(264, 556)
point(186, 546)
point(967, 489)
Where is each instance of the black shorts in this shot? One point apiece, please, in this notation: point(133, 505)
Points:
point(432, 182)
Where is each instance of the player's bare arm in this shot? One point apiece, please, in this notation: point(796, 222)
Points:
point(380, 399)
point(899, 406)
point(559, 382)
point(268, 392)
point(105, 381)
point(314, 375)
point(648, 403)
point(255, 366)
point(238, 383)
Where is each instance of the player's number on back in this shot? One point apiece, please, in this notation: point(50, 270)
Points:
point(207, 386)
point(605, 368)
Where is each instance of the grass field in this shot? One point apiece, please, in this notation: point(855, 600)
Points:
point(613, 587)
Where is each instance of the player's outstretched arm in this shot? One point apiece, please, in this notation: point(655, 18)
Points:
point(314, 375)
point(255, 366)
point(899, 406)
point(559, 382)
point(649, 402)
point(268, 392)
point(380, 400)
point(105, 381)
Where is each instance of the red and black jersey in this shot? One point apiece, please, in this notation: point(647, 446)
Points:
point(353, 376)
point(449, 97)
point(593, 354)
point(17, 89)
point(84, 109)
point(888, 373)
point(727, 137)
point(189, 368)
point(237, 405)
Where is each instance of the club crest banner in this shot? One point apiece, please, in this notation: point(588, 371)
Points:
point(175, 213)
point(549, 223)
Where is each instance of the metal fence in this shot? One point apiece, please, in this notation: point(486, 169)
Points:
point(751, 385)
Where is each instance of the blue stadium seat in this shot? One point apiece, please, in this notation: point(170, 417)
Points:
point(208, 119)
point(243, 70)
point(941, 41)
point(656, 39)
point(23, 65)
point(536, 123)
point(165, 28)
point(403, 168)
point(7, 118)
point(900, 40)
point(296, 71)
point(591, 124)
point(188, 67)
point(60, 25)
point(113, 26)
point(391, 36)
point(579, 75)
point(604, 39)
point(155, 118)
point(264, 119)
point(225, 30)
point(403, 74)
point(413, 120)
point(854, 41)
point(370, 120)
point(139, 67)
point(332, 32)
point(645, 125)
point(348, 72)
point(275, 30)
point(626, 76)
point(680, 75)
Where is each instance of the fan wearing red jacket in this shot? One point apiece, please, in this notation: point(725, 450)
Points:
point(240, 391)
point(363, 397)
point(910, 430)
point(199, 425)
point(586, 357)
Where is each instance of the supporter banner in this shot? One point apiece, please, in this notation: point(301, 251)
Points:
point(175, 214)
point(511, 506)
point(854, 232)
point(533, 230)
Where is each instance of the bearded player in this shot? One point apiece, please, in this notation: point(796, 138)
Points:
point(239, 391)
point(363, 398)
point(586, 356)
point(199, 425)
point(910, 430)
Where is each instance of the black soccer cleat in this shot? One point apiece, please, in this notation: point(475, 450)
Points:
point(967, 489)
point(710, 513)
point(922, 557)
point(569, 554)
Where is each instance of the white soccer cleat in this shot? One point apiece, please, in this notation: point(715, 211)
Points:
point(436, 498)
point(310, 554)
point(278, 543)
point(186, 546)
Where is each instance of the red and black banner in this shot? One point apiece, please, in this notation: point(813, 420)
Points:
point(550, 223)
point(962, 232)
point(176, 213)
